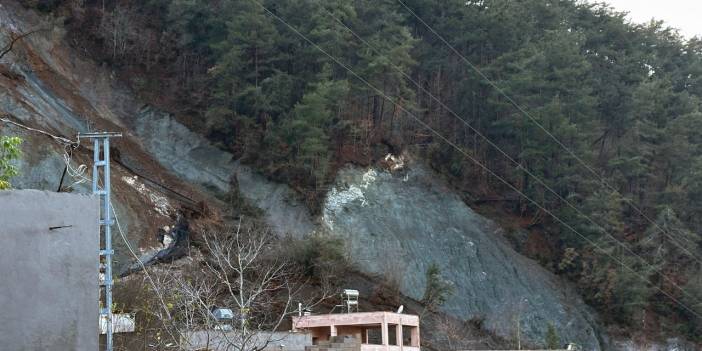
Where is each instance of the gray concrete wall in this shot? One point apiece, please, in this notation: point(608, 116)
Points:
point(48, 278)
point(277, 341)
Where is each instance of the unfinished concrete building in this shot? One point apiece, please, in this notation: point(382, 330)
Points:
point(364, 331)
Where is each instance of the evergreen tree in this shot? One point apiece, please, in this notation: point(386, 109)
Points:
point(552, 340)
point(548, 77)
point(624, 98)
point(246, 58)
point(313, 119)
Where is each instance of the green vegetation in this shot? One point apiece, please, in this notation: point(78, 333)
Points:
point(437, 289)
point(9, 153)
point(552, 340)
point(319, 256)
point(624, 98)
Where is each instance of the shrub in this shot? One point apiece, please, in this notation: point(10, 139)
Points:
point(9, 152)
point(437, 290)
point(320, 256)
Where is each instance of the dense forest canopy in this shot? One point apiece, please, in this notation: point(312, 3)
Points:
point(621, 98)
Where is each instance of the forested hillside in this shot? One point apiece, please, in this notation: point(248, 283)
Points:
point(588, 125)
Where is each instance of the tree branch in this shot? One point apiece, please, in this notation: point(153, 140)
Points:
point(14, 38)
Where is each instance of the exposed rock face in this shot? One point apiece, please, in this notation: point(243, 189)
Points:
point(395, 223)
point(185, 153)
point(193, 158)
point(46, 85)
point(409, 221)
point(670, 345)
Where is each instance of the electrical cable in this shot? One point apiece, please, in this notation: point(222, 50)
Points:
point(539, 180)
point(77, 173)
point(146, 272)
point(467, 155)
point(553, 137)
point(57, 138)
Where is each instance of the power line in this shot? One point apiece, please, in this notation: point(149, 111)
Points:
point(79, 173)
point(146, 273)
point(540, 181)
point(59, 139)
point(553, 137)
point(467, 155)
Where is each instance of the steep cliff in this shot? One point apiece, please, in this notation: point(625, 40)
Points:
point(403, 223)
point(398, 224)
point(46, 85)
point(393, 223)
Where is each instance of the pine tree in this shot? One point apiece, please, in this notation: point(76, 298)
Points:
point(552, 340)
point(313, 119)
point(246, 58)
point(668, 239)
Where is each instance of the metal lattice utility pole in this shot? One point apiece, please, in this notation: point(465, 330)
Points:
point(101, 141)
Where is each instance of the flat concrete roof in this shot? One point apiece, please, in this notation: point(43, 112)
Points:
point(357, 318)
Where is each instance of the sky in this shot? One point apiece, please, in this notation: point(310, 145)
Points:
point(685, 15)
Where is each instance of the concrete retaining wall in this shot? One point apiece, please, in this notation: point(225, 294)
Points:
point(48, 271)
point(277, 341)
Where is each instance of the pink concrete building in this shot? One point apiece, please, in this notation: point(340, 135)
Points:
point(377, 331)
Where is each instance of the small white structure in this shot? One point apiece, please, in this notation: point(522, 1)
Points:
point(224, 318)
point(121, 323)
point(222, 315)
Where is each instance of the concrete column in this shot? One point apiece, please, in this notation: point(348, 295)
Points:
point(384, 333)
point(398, 335)
point(415, 337)
point(332, 330)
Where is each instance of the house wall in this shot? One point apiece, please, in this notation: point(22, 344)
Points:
point(48, 278)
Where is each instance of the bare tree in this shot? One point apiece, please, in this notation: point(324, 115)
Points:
point(118, 28)
point(242, 270)
point(252, 275)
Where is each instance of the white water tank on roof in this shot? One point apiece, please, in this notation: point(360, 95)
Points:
point(350, 298)
point(350, 293)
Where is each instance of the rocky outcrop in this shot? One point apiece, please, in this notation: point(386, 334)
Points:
point(183, 152)
point(193, 158)
point(672, 344)
point(395, 224)
point(44, 84)
point(398, 225)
